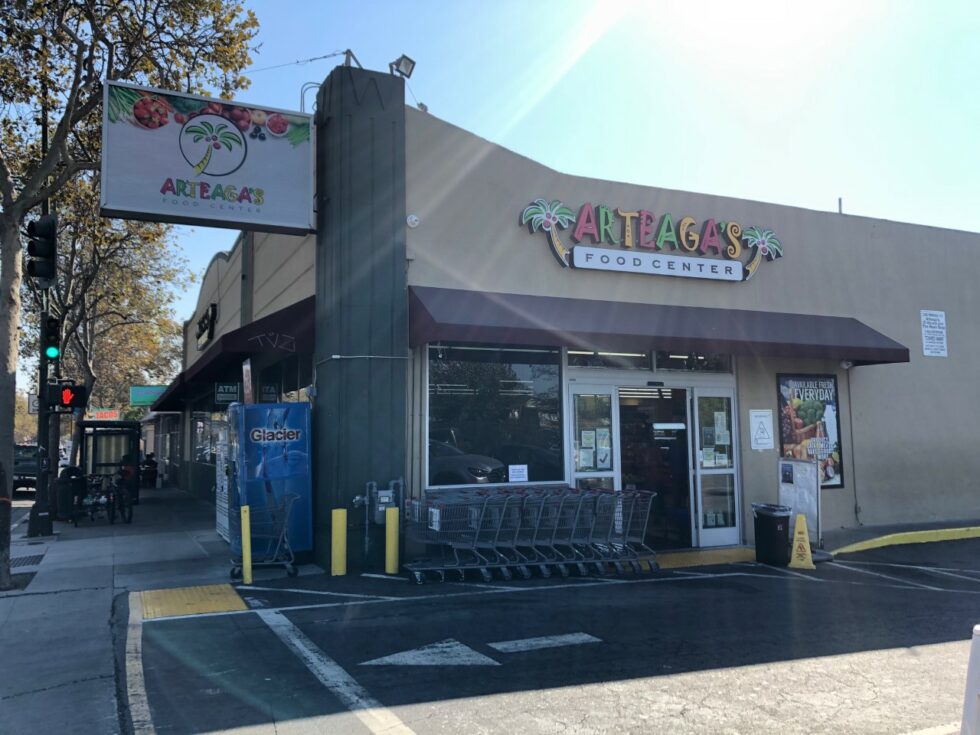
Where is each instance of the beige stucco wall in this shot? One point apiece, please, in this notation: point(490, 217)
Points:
point(914, 456)
point(282, 272)
point(281, 268)
point(221, 285)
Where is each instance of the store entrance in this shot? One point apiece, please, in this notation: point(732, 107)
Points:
point(675, 441)
point(653, 429)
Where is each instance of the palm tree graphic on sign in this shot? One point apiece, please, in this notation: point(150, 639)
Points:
point(766, 245)
point(217, 137)
point(539, 215)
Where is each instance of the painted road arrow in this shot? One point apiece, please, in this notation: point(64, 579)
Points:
point(550, 641)
point(449, 652)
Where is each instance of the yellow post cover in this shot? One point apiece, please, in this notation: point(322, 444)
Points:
point(338, 543)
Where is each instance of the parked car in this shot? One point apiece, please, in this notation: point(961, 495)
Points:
point(25, 466)
point(449, 465)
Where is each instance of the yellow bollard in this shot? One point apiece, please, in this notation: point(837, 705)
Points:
point(246, 546)
point(391, 540)
point(338, 543)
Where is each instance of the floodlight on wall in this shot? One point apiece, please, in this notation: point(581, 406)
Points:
point(403, 66)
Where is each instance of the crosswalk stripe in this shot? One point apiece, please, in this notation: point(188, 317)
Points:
point(375, 716)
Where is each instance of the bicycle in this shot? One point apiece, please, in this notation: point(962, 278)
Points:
point(120, 502)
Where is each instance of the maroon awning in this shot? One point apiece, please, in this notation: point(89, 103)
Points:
point(287, 331)
point(440, 314)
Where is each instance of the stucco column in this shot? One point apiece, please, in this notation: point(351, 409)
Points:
point(361, 303)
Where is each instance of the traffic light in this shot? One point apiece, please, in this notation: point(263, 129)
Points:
point(51, 336)
point(43, 249)
point(66, 395)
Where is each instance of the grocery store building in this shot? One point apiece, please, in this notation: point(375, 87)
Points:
point(466, 316)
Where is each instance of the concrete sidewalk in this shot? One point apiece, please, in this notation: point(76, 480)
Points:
point(56, 636)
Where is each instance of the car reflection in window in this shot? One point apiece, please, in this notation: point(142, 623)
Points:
point(449, 465)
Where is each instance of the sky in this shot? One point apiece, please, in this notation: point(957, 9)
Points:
point(793, 103)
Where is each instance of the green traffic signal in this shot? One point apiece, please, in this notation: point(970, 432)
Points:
point(52, 352)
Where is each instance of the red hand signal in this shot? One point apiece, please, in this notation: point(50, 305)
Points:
point(67, 396)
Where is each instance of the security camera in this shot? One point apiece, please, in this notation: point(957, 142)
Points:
point(846, 364)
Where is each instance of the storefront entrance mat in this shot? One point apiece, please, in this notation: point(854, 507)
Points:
point(210, 598)
point(705, 557)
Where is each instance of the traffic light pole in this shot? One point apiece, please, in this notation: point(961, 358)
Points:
point(39, 523)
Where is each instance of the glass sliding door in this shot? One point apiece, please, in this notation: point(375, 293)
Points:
point(656, 456)
point(716, 510)
point(594, 443)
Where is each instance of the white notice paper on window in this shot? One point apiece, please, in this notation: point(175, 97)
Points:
point(933, 333)
point(517, 472)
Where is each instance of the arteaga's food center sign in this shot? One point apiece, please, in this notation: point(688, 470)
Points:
point(180, 158)
point(638, 241)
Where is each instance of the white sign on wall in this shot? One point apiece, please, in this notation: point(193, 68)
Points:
point(933, 333)
point(173, 157)
point(606, 259)
point(760, 429)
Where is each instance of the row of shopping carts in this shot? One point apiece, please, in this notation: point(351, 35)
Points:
point(514, 531)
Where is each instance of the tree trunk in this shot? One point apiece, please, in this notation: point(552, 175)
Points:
point(11, 273)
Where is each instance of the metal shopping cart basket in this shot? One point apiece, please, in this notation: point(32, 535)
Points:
point(270, 536)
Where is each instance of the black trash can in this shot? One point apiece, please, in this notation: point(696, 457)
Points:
point(772, 533)
point(70, 484)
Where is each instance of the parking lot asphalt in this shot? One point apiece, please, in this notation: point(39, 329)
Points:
point(874, 642)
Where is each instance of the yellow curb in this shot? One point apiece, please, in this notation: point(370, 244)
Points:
point(911, 537)
point(705, 557)
point(190, 601)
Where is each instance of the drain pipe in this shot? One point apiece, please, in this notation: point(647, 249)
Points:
point(850, 426)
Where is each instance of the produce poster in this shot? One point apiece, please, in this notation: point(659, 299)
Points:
point(180, 158)
point(809, 423)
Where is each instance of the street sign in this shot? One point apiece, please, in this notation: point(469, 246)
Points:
point(145, 395)
point(33, 404)
point(105, 414)
point(225, 393)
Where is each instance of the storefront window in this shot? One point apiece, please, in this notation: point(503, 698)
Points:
point(494, 415)
point(207, 428)
point(618, 360)
point(694, 362)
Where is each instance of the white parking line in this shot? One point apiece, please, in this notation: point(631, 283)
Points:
point(376, 717)
point(756, 565)
point(548, 641)
point(139, 705)
point(899, 580)
point(389, 577)
point(315, 592)
point(947, 571)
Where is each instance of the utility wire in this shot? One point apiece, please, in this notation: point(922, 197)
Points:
point(298, 61)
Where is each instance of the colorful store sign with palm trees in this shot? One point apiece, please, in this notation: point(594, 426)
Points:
point(182, 158)
point(637, 241)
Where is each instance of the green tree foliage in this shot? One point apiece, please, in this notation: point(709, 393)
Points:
point(116, 285)
point(55, 55)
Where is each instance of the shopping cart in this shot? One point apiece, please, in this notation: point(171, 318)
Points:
point(269, 532)
point(512, 531)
